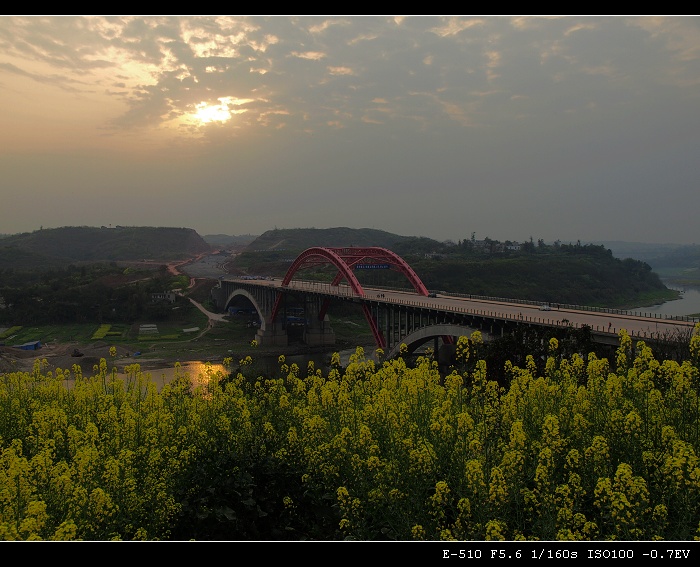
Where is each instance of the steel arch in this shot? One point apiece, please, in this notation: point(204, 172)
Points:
point(345, 259)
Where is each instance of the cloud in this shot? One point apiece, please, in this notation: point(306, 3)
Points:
point(571, 123)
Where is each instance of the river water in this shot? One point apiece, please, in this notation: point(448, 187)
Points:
point(687, 305)
point(265, 365)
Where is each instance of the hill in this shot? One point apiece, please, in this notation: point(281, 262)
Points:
point(57, 247)
point(272, 252)
point(299, 239)
point(676, 263)
point(575, 274)
point(229, 241)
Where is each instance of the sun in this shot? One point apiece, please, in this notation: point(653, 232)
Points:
point(207, 113)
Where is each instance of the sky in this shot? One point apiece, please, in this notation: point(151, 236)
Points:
point(569, 128)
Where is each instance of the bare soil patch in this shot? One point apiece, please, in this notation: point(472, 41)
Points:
point(60, 355)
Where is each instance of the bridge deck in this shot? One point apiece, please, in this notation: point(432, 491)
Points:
point(602, 322)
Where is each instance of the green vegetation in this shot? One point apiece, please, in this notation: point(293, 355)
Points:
point(560, 273)
point(576, 279)
point(10, 332)
point(539, 435)
point(95, 293)
point(59, 247)
point(81, 333)
point(101, 332)
point(681, 266)
point(596, 449)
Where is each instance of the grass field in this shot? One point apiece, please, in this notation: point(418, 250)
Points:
point(187, 337)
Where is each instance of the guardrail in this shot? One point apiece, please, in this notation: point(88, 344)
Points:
point(583, 308)
point(560, 305)
point(321, 286)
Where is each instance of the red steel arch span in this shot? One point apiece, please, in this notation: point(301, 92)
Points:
point(346, 259)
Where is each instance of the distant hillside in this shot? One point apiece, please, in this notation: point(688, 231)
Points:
point(682, 266)
point(677, 263)
point(638, 250)
point(302, 238)
point(57, 246)
point(574, 274)
point(273, 251)
point(229, 241)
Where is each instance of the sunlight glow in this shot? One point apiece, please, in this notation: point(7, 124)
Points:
point(198, 118)
point(212, 112)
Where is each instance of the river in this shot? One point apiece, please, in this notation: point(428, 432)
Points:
point(265, 365)
point(687, 305)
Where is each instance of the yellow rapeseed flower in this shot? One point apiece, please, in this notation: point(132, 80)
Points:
point(418, 532)
point(495, 530)
point(498, 489)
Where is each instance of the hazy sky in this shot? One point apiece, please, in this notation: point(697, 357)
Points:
point(570, 128)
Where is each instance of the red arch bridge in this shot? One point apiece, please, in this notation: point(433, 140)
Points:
point(412, 316)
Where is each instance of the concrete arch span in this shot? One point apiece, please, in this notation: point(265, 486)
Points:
point(431, 332)
point(249, 297)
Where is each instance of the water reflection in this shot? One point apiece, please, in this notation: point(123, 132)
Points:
point(199, 372)
point(267, 365)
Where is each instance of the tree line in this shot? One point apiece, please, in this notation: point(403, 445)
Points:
point(91, 293)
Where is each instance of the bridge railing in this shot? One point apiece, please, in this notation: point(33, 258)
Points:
point(549, 318)
point(345, 290)
point(612, 311)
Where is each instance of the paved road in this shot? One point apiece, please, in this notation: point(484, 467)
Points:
point(211, 266)
point(207, 266)
point(212, 316)
point(598, 321)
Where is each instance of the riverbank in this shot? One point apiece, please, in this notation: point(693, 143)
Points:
point(687, 304)
point(156, 359)
point(66, 355)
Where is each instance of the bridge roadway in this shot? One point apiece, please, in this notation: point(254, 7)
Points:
point(605, 325)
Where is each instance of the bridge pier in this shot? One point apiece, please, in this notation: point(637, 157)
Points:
point(317, 332)
point(272, 335)
point(320, 335)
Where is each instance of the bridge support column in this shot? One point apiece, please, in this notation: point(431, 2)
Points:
point(446, 355)
point(320, 334)
point(317, 332)
point(272, 335)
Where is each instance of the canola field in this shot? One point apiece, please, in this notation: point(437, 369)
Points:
point(588, 449)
